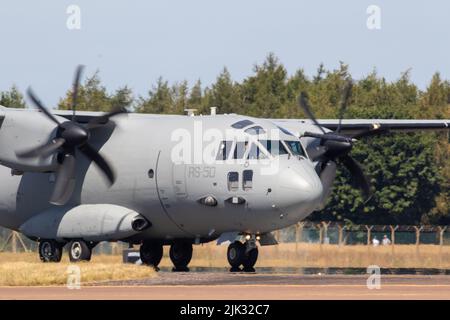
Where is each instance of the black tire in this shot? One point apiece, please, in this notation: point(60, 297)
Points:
point(50, 251)
point(250, 259)
point(236, 254)
point(180, 254)
point(79, 250)
point(151, 253)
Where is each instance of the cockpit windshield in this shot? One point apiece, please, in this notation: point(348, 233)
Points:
point(296, 148)
point(275, 147)
point(258, 149)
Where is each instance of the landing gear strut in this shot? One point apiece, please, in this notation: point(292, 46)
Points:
point(50, 251)
point(80, 250)
point(151, 253)
point(244, 254)
point(181, 254)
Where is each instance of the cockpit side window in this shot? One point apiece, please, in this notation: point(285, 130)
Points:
point(296, 148)
point(240, 149)
point(255, 153)
point(275, 147)
point(224, 150)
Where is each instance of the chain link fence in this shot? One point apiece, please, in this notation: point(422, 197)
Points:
point(303, 232)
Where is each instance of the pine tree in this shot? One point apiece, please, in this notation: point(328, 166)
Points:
point(159, 99)
point(12, 98)
point(93, 96)
point(224, 94)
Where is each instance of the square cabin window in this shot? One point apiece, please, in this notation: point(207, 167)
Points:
point(233, 181)
point(247, 180)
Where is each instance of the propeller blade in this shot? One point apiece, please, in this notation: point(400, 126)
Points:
point(76, 83)
point(316, 152)
point(358, 176)
point(103, 165)
point(304, 104)
point(344, 102)
point(98, 121)
point(40, 106)
point(65, 181)
point(42, 151)
point(327, 177)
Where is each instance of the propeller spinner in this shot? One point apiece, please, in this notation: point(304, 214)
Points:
point(71, 136)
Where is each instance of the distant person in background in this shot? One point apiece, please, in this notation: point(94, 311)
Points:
point(386, 241)
point(375, 242)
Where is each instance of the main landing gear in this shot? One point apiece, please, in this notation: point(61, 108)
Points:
point(242, 254)
point(80, 250)
point(180, 253)
point(51, 251)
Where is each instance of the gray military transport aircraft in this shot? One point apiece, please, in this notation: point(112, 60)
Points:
point(254, 176)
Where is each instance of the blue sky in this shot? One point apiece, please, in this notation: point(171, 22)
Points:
point(135, 42)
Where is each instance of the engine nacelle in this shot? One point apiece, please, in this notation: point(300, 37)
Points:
point(22, 130)
point(91, 222)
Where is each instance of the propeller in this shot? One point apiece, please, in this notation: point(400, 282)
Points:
point(335, 147)
point(70, 137)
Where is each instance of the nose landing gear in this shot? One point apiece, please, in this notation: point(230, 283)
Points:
point(245, 254)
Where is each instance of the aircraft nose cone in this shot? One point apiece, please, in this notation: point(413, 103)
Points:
point(300, 189)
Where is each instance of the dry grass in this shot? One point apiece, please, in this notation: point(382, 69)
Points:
point(314, 255)
point(25, 269)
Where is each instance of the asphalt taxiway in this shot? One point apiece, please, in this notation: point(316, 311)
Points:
point(213, 285)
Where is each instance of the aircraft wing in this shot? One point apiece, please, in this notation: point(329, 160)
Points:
point(86, 116)
point(354, 126)
point(82, 116)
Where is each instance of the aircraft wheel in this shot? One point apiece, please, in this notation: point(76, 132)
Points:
point(79, 250)
point(181, 254)
point(151, 253)
point(250, 260)
point(50, 251)
point(236, 254)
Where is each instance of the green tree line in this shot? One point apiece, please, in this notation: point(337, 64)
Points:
point(410, 172)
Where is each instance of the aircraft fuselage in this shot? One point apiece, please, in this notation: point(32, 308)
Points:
point(170, 193)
